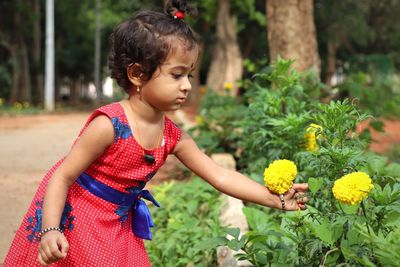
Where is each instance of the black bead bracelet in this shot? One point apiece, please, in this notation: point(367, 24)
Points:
point(283, 201)
point(48, 229)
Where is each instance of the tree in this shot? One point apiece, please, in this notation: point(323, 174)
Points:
point(345, 27)
point(37, 70)
point(348, 29)
point(226, 64)
point(13, 31)
point(292, 34)
point(97, 52)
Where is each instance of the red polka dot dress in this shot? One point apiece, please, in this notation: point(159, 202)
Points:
point(99, 232)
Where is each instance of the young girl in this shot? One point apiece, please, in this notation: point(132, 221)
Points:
point(88, 210)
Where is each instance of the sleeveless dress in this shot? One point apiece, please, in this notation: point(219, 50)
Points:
point(99, 232)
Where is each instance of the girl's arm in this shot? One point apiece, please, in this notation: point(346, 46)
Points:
point(92, 143)
point(231, 182)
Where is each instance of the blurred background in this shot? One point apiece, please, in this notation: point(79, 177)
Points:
point(352, 46)
point(267, 69)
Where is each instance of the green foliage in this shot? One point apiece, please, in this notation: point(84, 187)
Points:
point(216, 130)
point(188, 216)
point(5, 81)
point(371, 90)
point(277, 115)
point(394, 153)
point(328, 233)
point(18, 108)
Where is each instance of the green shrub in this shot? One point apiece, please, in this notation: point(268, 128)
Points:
point(328, 233)
point(378, 95)
point(188, 215)
point(216, 130)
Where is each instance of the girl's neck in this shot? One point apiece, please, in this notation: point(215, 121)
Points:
point(143, 111)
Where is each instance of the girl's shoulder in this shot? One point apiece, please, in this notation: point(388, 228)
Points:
point(113, 111)
point(172, 132)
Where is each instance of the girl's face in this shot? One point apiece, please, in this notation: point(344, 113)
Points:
point(170, 85)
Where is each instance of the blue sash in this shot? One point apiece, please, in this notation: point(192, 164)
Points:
point(141, 218)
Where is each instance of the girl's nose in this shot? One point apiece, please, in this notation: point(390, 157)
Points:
point(186, 85)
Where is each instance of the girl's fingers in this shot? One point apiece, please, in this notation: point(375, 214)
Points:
point(42, 258)
point(64, 246)
point(55, 251)
point(289, 194)
point(301, 197)
point(49, 254)
point(300, 187)
point(297, 200)
point(302, 206)
point(291, 205)
point(302, 200)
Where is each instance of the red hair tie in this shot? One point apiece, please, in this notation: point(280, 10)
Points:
point(179, 15)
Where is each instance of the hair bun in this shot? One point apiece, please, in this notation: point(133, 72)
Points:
point(174, 6)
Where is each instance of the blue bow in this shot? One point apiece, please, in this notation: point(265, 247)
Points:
point(141, 218)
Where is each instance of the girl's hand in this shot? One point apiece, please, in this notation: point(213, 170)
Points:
point(53, 247)
point(296, 198)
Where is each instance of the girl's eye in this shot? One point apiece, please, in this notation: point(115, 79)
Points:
point(176, 76)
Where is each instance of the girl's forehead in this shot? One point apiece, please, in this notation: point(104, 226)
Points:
point(181, 55)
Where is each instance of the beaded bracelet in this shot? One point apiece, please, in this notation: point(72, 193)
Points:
point(282, 201)
point(48, 229)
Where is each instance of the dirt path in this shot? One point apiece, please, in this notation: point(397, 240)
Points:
point(29, 146)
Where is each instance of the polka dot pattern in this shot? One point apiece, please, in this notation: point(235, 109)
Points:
point(96, 235)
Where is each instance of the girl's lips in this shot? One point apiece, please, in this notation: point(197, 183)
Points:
point(181, 100)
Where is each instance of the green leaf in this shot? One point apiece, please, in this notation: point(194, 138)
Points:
point(328, 232)
point(212, 243)
point(315, 184)
point(349, 209)
point(235, 244)
point(233, 232)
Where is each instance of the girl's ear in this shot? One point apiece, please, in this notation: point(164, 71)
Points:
point(135, 74)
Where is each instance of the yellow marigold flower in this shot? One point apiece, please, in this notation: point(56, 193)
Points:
point(25, 104)
point(228, 86)
point(18, 106)
point(311, 140)
point(279, 175)
point(352, 188)
point(199, 120)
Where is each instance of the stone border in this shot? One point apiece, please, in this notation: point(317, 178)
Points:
point(231, 215)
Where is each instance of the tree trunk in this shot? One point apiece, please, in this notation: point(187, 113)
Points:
point(21, 82)
point(37, 54)
point(226, 66)
point(15, 74)
point(292, 33)
point(75, 92)
point(194, 95)
point(26, 88)
point(331, 62)
point(97, 54)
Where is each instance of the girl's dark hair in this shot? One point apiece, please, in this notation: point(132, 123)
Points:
point(147, 38)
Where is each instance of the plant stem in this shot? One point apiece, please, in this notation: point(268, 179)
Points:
point(365, 215)
point(326, 256)
point(340, 206)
